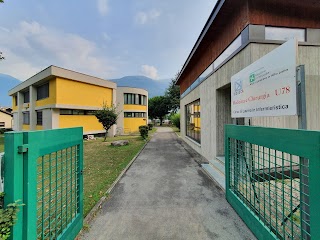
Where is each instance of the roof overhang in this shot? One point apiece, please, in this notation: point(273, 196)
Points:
point(204, 31)
point(53, 71)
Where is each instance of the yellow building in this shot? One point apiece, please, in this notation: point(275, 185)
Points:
point(5, 119)
point(133, 104)
point(60, 98)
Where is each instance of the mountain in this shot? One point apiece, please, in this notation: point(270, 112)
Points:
point(6, 83)
point(154, 87)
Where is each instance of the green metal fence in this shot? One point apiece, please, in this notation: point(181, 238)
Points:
point(272, 180)
point(44, 170)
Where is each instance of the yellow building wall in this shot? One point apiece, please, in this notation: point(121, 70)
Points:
point(52, 95)
point(82, 94)
point(39, 127)
point(14, 104)
point(7, 119)
point(88, 122)
point(131, 125)
point(135, 107)
point(197, 120)
point(25, 127)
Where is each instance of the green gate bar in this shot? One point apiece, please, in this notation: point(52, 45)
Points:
point(263, 172)
point(44, 170)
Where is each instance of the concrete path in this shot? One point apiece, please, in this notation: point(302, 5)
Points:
point(165, 195)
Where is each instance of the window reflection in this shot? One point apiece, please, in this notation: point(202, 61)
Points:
point(193, 119)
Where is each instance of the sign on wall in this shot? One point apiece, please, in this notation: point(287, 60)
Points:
point(268, 86)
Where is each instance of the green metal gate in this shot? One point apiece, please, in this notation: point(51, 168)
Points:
point(272, 180)
point(44, 170)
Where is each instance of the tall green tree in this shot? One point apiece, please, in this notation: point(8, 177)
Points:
point(107, 116)
point(158, 107)
point(173, 95)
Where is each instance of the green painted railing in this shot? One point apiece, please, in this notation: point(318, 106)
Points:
point(43, 169)
point(272, 180)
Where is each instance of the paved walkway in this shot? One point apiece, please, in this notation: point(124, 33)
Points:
point(165, 195)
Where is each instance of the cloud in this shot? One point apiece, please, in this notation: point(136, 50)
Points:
point(102, 7)
point(149, 71)
point(147, 17)
point(31, 47)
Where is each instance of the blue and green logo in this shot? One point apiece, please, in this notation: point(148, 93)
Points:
point(252, 78)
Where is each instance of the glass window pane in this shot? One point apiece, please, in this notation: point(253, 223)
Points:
point(43, 91)
point(193, 121)
point(65, 112)
point(26, 118)
point(26, 97)
point(39, 117)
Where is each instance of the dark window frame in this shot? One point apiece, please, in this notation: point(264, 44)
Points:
point(26, 118)
point(43, 91)
point(26, 97)
point(39, 118)
point(192, 131)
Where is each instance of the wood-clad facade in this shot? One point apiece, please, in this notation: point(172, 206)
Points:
point(231, 17)
point(246, 23)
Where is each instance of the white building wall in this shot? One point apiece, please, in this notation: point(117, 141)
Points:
point(215, 114)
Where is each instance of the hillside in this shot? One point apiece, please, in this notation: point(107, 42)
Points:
point(6, 83)
point(154, 87)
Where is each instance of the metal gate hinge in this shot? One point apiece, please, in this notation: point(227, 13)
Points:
point(23, 148)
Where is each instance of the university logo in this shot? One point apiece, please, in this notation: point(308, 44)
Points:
point(252, 78)
point(238, 87)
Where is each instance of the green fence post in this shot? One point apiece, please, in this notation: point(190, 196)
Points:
point(30, 180)
point(13, 177)
point(314, 195)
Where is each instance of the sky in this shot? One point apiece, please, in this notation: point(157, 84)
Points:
point(104, 38)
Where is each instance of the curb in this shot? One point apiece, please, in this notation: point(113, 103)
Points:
point(98, 206)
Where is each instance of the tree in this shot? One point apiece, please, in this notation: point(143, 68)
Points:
point(107, 116)
point(173, 95)
point(158, 107)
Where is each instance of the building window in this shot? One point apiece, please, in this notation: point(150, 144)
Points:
point(39, 118)
point(284, 34)
point(138, 99)
point(26, 97)
point(65, 112)
point(193, 121)
point(26, 118)
point(77, 112)
point(2, 124)
point(43, 91)
point(134, 114)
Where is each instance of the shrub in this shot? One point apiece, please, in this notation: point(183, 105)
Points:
point(8, 217)
point(150, 125)
point(144, 131)
point(3, 130)
point(175, 119)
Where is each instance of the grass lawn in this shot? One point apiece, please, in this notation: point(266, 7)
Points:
point(102, 165)
point(1, 142)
